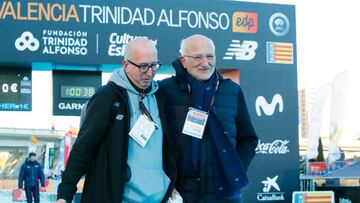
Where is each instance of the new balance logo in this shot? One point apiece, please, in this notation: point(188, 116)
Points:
point(268, 109)
point(27, 41)
point(119, 117)
point(244, 51)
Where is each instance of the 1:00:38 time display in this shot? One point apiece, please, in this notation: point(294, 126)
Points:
point(76, 92)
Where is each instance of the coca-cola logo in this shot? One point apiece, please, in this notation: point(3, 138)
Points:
point(275, 147)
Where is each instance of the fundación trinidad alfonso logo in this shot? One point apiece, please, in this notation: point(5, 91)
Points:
point(27, 41)
point(245, 22)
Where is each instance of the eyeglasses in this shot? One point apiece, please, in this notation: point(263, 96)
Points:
point(208, 57)
point(144, 67)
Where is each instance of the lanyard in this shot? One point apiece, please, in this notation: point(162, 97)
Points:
point(144, 110)
point(213, 97)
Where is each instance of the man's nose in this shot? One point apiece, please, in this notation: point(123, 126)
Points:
point(204, 61)
point(150, 72)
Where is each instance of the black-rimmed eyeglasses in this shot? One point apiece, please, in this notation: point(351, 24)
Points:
point(144, 67)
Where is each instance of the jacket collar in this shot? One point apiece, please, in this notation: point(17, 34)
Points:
point(180, 74)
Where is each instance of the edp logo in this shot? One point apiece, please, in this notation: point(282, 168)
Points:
point(245, 22)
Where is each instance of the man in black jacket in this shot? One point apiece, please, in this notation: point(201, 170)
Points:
point(122, 146)
point(209, 115)
point(31, 172)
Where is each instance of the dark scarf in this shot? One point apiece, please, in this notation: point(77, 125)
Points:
point(230, 174)
point(138, 89)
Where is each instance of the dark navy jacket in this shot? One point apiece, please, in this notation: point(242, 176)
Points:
point(31, 172)
point(231, 109)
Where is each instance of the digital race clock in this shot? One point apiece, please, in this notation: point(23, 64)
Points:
point(72, 89)
point(80, 92)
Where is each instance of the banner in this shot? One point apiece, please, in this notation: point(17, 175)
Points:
point(67, 147)
point(48, 157)
point(315, 121)
point(96, 32)
point(337, 114)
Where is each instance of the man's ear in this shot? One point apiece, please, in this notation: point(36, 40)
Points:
point(182, 60)
point(125, 64)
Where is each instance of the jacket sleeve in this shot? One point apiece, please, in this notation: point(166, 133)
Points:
point(21, 176)
point(90, 136)
point(41, 175)
point(245, 134)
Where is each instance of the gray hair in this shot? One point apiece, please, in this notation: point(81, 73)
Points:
point(184, 43)
point(128, 47)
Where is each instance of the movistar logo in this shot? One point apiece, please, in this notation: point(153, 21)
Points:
point(268, 108)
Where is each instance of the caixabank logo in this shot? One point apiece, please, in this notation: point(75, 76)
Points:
point(271, 190)
point(245, 22)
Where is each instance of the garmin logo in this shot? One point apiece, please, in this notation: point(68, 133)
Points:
point(71, 106)
point(275, 147)
point(268, 108)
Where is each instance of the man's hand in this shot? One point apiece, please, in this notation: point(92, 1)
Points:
point(174, 194)
point(42, 189)
point(61, 201)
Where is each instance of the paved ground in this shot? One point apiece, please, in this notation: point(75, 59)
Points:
point(6, 197)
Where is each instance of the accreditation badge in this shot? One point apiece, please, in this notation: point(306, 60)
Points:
point(142, 130)
point(195, 123)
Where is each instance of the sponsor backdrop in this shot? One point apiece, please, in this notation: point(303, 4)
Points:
point(258, 39)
